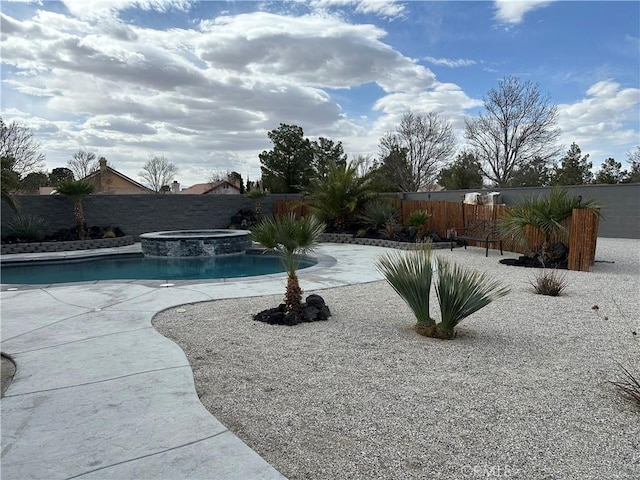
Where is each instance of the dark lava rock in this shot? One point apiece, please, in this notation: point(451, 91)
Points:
point(558, 258)
point(313, 309)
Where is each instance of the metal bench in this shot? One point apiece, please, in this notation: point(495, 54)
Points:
point(482, 231)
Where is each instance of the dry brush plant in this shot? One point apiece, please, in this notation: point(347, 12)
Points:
point(629, 384)
point(549, 282)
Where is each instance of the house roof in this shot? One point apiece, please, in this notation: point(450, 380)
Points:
point(203, 188)
point(115, 172)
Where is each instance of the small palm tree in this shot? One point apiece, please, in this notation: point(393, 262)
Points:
point(410, 274)
point(460, 293)
point(9, 183)
point(291, 238)
point(546, 214)
point(337, 197)
point(77, 190)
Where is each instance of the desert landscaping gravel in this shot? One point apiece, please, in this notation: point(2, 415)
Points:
point(523, 391)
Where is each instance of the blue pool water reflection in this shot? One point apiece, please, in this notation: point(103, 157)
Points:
point(138, 267)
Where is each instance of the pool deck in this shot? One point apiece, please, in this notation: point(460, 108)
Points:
point(98, 393)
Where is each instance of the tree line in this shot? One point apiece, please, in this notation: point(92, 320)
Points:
point(511, 142)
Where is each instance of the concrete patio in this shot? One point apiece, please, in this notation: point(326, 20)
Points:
point(98, 393)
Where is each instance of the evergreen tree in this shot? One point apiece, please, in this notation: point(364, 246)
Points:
point(610, 172)
point(574, 169)
point(464, 173)
point(288, 167)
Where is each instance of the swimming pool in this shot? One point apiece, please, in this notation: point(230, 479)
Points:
point(139, 267)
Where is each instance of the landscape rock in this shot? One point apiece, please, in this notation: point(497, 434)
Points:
point(313, 309)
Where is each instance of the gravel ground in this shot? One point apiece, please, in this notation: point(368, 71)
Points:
point(522, 392)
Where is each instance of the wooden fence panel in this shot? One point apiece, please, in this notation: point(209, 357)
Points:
point(581, 229)
point(583, 239)
point(284, 207)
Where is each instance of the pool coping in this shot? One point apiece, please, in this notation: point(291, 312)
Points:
point(105, 345)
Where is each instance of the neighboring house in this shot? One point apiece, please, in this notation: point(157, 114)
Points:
point(110, 181)
point(223, 187)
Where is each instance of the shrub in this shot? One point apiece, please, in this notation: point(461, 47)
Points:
point(109, 234)
point(28, 228)
point(418, 218)
point(410, 275)
point(549, 282)
point(390, 229)
point(629, 385)
point(379, 212)
point(545, 214)
point(460, 291)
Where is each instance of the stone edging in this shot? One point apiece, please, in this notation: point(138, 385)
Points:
point(41, 247)
point(378, 242)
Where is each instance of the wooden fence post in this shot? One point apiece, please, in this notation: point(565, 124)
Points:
point(583, 239)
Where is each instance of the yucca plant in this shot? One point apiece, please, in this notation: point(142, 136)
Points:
point(28, 228)
point(291, 237)
point(545, 214)
point(378, 212)
point(462, 292)
point(77, 190)
point(410, 274)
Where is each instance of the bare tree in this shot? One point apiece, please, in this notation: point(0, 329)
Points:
point(518, 125)
point(426, 141)
point(18, 145)
point(82, 164)
point(158, 172)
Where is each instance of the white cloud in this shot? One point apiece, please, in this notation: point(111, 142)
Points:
point(382, 8)
point(209, 94)
point(608, 115)
point(513, 11)
point(97, 9)
point(451, 62)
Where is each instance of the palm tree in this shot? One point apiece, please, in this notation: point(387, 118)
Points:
point(338, 196)
point(9, 183)
point(77, 190)
point(547, 215)
point(291, 238)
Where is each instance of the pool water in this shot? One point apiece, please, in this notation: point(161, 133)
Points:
point(139, 267)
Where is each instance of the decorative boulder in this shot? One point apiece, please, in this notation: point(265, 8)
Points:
point(313, 309)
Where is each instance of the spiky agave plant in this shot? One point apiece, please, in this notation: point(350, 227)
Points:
point(461, 292)
point(291, 237)
point(410, 274)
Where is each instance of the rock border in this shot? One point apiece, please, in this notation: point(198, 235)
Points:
point(43, 247)
point(380, 242)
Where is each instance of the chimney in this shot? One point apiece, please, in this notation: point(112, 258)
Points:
point(175, 187)
point(103, 164)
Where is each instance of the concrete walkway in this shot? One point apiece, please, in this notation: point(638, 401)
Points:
point(98, 393)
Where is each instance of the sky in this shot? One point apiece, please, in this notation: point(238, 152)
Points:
point(202, 83)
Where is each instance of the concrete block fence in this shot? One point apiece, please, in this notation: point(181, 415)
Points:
point(137, 214)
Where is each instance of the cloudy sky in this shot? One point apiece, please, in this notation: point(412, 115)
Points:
point(203, 82)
